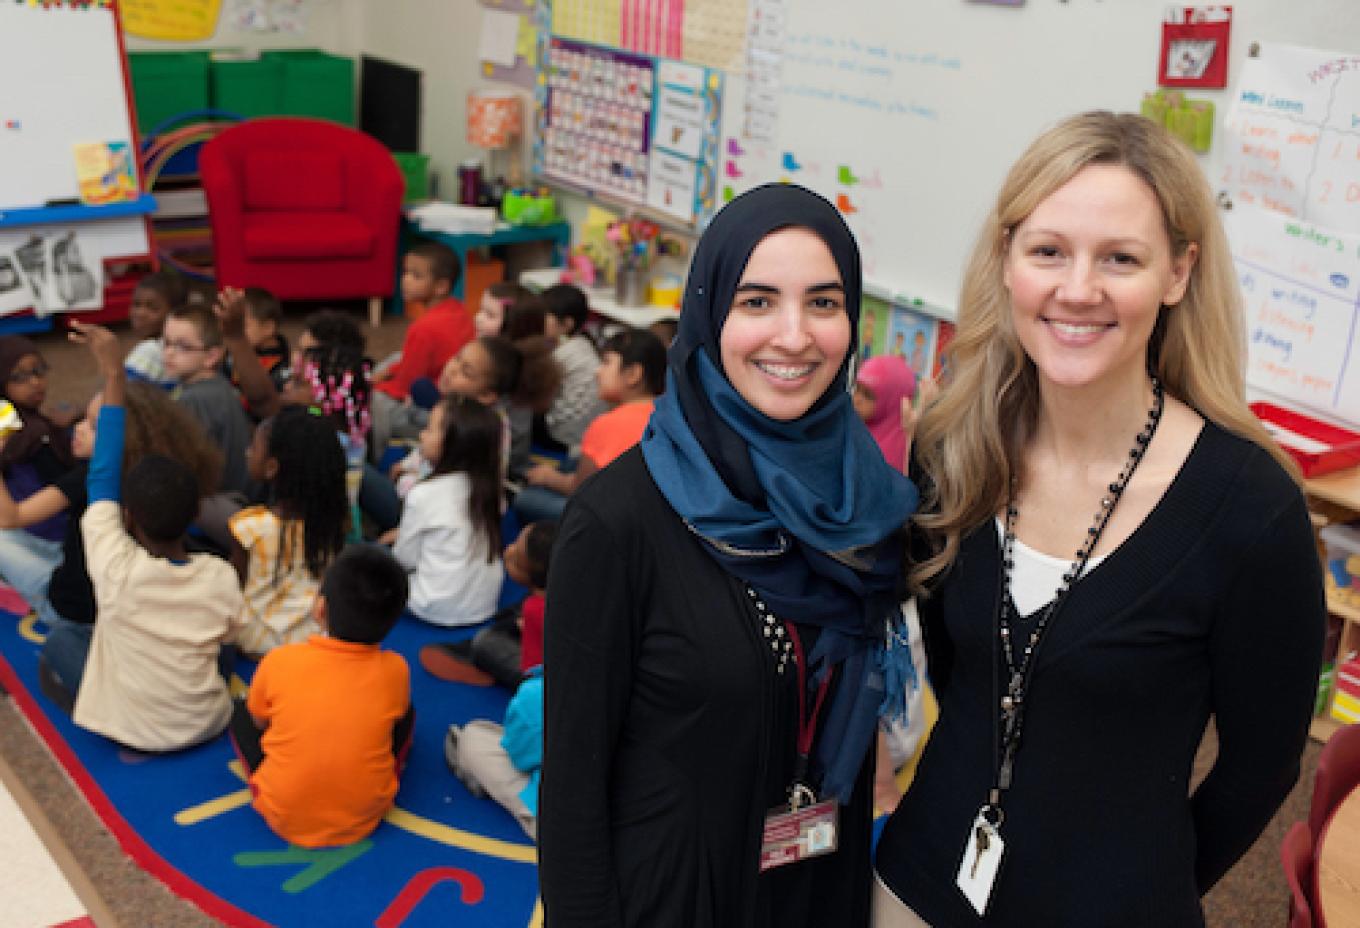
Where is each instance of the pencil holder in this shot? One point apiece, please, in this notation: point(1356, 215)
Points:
point(630, 286)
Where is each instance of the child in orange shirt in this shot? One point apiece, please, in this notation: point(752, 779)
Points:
point(326, 727)
point(631, 376)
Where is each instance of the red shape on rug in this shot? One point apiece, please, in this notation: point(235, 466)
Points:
point(440, 661)
point(11, 601)
point(470, 892)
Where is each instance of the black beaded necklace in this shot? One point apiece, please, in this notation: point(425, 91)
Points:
point(1020, 666)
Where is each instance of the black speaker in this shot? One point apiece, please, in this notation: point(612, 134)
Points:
point(389, 103)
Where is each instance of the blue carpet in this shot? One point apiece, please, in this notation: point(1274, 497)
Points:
point(442, 857)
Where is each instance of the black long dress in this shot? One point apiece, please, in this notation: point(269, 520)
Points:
point(668, 734)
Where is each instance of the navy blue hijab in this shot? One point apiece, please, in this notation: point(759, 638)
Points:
point(805, 512)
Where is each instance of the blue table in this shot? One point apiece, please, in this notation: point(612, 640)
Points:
point(558, 233)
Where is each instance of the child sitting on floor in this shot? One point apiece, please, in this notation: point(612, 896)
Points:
point(154, 424)
point(884, 388)
point(156, 294)
point(193, 358)
point(449, 536)
point(630, 378)
point(513, 643)
point(280, 551)
point(516, 379)
point(494, 309)
point(325, 729)
point(151, 680)
point(264, 315)
point(505, 762)
point(429, 272)
point(576, 404)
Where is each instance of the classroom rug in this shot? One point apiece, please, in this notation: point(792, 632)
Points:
point(441, 857)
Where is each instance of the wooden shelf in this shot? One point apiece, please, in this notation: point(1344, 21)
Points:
point(1338, 608)
point(1335, 497)
point(1340, 488)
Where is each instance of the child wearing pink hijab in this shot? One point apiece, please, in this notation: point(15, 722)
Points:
point(880, 387)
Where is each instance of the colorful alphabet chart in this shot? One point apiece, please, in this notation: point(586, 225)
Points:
point(598, 118)
point(634, 128)
point(1293, 136)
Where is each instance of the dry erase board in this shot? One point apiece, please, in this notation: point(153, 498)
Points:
point(909, 113)
point(1291, 168)
point(61, 83)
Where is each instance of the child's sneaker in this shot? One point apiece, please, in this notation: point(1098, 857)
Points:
point(451, 758)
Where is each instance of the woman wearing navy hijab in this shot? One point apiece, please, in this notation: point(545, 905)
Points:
point(722, 605)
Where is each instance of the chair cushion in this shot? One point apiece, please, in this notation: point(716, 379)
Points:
point(294, 180)
point(287, 236)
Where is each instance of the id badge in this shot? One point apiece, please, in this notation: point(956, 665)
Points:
point(789, 837)
point(981, 860)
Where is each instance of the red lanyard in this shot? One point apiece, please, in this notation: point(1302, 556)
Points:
point(807, 727)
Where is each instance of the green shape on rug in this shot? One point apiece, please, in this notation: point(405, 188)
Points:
point(320, 862)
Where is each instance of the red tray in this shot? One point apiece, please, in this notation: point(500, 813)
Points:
point(1342, 445)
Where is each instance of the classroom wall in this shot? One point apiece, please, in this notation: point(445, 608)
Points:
point(439, 38)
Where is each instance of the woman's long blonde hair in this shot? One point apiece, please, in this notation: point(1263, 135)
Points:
point(969, 441)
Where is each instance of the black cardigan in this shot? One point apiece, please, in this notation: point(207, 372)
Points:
point(1213, 605)
point(668, 734)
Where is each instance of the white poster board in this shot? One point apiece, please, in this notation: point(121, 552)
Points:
point(1301, 290)
point(61, 83)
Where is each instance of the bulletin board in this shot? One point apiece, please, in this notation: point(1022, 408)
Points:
point(61, 67)
point(626, 107)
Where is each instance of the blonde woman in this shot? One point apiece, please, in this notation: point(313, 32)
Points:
point(1111, 550)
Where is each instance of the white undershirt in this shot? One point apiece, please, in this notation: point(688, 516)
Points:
point(1036, 577)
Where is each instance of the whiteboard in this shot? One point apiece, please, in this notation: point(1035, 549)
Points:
point(61, 83)
point(927, 103)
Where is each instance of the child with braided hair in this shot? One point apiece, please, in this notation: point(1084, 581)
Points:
point(281, 550)
point(333, 379)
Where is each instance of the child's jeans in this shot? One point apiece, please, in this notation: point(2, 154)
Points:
point(26, 563)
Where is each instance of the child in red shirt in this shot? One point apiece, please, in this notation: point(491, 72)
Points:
point(429, 272)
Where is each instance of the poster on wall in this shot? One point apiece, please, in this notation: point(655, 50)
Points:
point(911, 337)
point(15, 293)
point(1195, 46)
point(61, 271)
point(170, 20)
point(1301, 292)
point(1291, 143)
point(637, 129)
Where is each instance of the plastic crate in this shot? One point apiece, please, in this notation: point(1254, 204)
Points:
point(1319, 447)
point(166, 84)
point(415, 167)
point(314, 83)
point(246, 86)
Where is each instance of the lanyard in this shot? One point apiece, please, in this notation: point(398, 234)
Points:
point(807, 725)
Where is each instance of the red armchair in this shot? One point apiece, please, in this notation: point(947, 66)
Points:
point(306, 208)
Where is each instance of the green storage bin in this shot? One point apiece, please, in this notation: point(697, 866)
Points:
point(415, 168)
point(246, 86)
point(166, 84)
point(315, 84)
